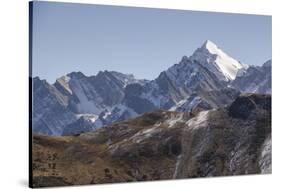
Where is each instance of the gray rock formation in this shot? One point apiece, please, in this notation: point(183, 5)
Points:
point(256, 79)
point(61, 105)
point(50, 112)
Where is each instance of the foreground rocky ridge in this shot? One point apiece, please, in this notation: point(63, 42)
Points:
point(234, 140)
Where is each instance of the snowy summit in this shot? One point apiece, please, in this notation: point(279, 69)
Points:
point(211, 56)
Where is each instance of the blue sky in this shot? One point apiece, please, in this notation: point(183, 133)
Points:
point(90, 38)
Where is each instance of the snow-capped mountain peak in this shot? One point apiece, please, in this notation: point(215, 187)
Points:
point(213, 58)
point(78, 103)
point(211, 47)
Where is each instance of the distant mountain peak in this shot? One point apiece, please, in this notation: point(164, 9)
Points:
point(77, 75)
point(103, 73)
point(211, 47)
point(184, 59)
point(64, 78)
point(212, 57)
point(37, 78)
point(268, 63)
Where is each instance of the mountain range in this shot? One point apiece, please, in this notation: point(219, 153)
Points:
point(208, 79)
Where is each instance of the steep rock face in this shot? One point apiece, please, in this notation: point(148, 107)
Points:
point(206, 100)
point(162, 145)
point(217, 61)
point(60, 105)
point(256, 79)
point(175, 85)
point(50, 113)
point(220, 98)
point(191, 76)
point(93, 94)
point(133, 100)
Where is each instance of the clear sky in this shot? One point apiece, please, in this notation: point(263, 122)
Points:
point(90, 38)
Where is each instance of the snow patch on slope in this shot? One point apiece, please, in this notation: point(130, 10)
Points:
point(85, 105)
point(146, 133)
point(179, 104)
point(198, 121)
point(174, 120)
point(90, 117)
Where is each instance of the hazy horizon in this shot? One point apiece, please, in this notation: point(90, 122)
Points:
point(71, 37)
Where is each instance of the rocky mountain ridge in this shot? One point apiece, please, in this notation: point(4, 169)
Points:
point(208, 79)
